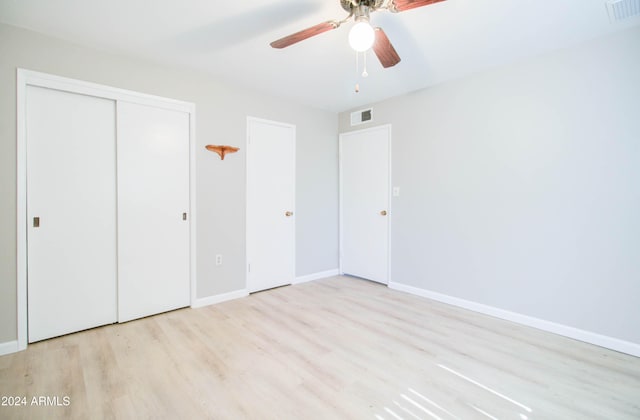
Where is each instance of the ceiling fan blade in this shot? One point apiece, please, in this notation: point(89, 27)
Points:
point(402, 5)
point(384, 50)
point(304, 34)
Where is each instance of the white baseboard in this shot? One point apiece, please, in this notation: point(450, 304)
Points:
point(236, 294)
point(560, 329)
point(316, 276)
point(8, 347)
point(244, 292)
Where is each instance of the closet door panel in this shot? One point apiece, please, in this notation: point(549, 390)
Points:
point(153, 205)
point(71, 212)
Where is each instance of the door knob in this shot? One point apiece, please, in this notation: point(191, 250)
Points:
point(383, 213)
point(289, 214)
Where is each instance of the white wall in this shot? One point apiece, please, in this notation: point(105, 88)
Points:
point(520, 187)
point(221, 119)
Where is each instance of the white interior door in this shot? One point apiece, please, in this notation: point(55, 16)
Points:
point(364, 203)
point(270, 204)
point(71, 212)
point(153, 205)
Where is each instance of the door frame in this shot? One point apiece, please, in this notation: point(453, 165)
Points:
point(248, 172)
point(33, 78)
point(387, 128)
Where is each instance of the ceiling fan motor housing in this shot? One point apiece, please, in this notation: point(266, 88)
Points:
point(353, 5)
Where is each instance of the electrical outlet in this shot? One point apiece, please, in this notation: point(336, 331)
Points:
point(219, 259)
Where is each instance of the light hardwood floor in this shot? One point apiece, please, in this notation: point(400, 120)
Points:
point(337, 348)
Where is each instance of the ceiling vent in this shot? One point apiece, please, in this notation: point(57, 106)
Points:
point(620, 10)
point(362, 116)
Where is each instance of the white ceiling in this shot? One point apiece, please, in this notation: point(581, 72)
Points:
point(230, 39)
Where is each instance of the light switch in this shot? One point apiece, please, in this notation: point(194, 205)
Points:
point(396, 191)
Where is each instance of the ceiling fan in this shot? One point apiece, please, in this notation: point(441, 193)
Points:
point(362, 35)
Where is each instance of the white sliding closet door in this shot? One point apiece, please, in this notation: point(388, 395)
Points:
point(71, 212)
point(153, 205)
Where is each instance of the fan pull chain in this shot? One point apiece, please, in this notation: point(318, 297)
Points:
point(364, 69)
point(357, 88)
point(364, 61)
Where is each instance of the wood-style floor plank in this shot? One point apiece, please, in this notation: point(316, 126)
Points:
point(338, 348)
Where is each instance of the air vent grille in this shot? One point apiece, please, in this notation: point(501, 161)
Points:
point(362, 116)
point(620, 10)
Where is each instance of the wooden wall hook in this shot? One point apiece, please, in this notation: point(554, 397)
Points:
point(221, 150)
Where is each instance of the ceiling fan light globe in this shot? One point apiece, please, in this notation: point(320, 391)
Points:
point(361, 36)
